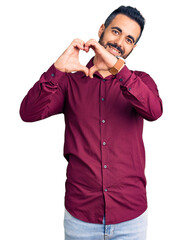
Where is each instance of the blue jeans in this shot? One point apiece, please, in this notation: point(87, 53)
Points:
point(76, 229)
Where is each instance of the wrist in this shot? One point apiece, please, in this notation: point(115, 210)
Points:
point(60, 68)
point(120, 63)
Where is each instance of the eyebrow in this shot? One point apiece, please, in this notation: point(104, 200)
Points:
point(120, 30)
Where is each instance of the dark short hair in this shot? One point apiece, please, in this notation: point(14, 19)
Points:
point(130, 12)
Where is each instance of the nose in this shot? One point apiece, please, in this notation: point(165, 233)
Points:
point(120, 41)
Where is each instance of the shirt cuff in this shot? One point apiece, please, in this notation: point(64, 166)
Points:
point(124, 76)
point(52, 75)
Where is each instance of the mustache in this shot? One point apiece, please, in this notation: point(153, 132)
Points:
point(115, 46)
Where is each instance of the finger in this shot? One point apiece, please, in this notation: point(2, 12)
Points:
point(78, 43)
point(91, 43)
point(86, 48)
point(96, 46)
point(85, 70)
point(92, 70)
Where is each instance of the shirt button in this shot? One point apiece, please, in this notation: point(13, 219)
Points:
point(120, 79)
point(103, 121)
point(104, 143)
point(104, 80)
point(102, 99)
point(105, 166)
point(105, 190)
point(129, 89)
point(52, 74)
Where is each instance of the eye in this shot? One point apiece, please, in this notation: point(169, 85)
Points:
point(115, 32)
point(129, 41)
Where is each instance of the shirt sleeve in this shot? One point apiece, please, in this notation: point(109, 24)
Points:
point(46, 97)
point(141, 90)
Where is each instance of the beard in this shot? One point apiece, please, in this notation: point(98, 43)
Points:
point(101, 41)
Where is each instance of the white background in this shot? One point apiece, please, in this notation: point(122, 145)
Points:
point(32, 167)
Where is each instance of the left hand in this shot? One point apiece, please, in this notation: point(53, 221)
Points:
point(103, 59)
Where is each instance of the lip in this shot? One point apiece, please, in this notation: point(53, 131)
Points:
point(114, 51)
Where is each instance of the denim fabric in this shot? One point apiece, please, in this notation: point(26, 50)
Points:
point(76, 229)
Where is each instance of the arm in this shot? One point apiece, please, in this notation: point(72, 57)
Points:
point(140, 89)
point(137, 87)
point(47, 96)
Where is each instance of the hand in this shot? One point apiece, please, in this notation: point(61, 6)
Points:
point(103, 59)
point(69, 60)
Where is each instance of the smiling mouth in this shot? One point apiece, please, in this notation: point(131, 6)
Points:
point(114, 51)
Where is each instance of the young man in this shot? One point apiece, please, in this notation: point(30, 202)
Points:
point(104, 104)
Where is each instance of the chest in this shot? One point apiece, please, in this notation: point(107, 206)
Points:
point(91, 98)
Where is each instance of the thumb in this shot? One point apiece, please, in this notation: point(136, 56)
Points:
point(85, 70)
point(92, 70)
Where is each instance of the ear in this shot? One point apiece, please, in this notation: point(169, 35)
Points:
point(101, 29)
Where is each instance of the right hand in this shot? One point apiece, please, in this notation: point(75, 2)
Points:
point(69, 60)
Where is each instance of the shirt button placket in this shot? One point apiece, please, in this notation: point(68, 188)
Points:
point(103, 131)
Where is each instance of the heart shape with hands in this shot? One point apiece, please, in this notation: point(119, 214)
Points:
point(69, 60)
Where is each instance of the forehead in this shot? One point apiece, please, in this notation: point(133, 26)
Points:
point(126, 24)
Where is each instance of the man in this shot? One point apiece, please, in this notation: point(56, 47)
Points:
point(104, 104)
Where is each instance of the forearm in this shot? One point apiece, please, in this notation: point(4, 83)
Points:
point(140, 89)
point(45, 98)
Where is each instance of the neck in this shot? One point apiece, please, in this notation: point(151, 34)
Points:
point(104, 73)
